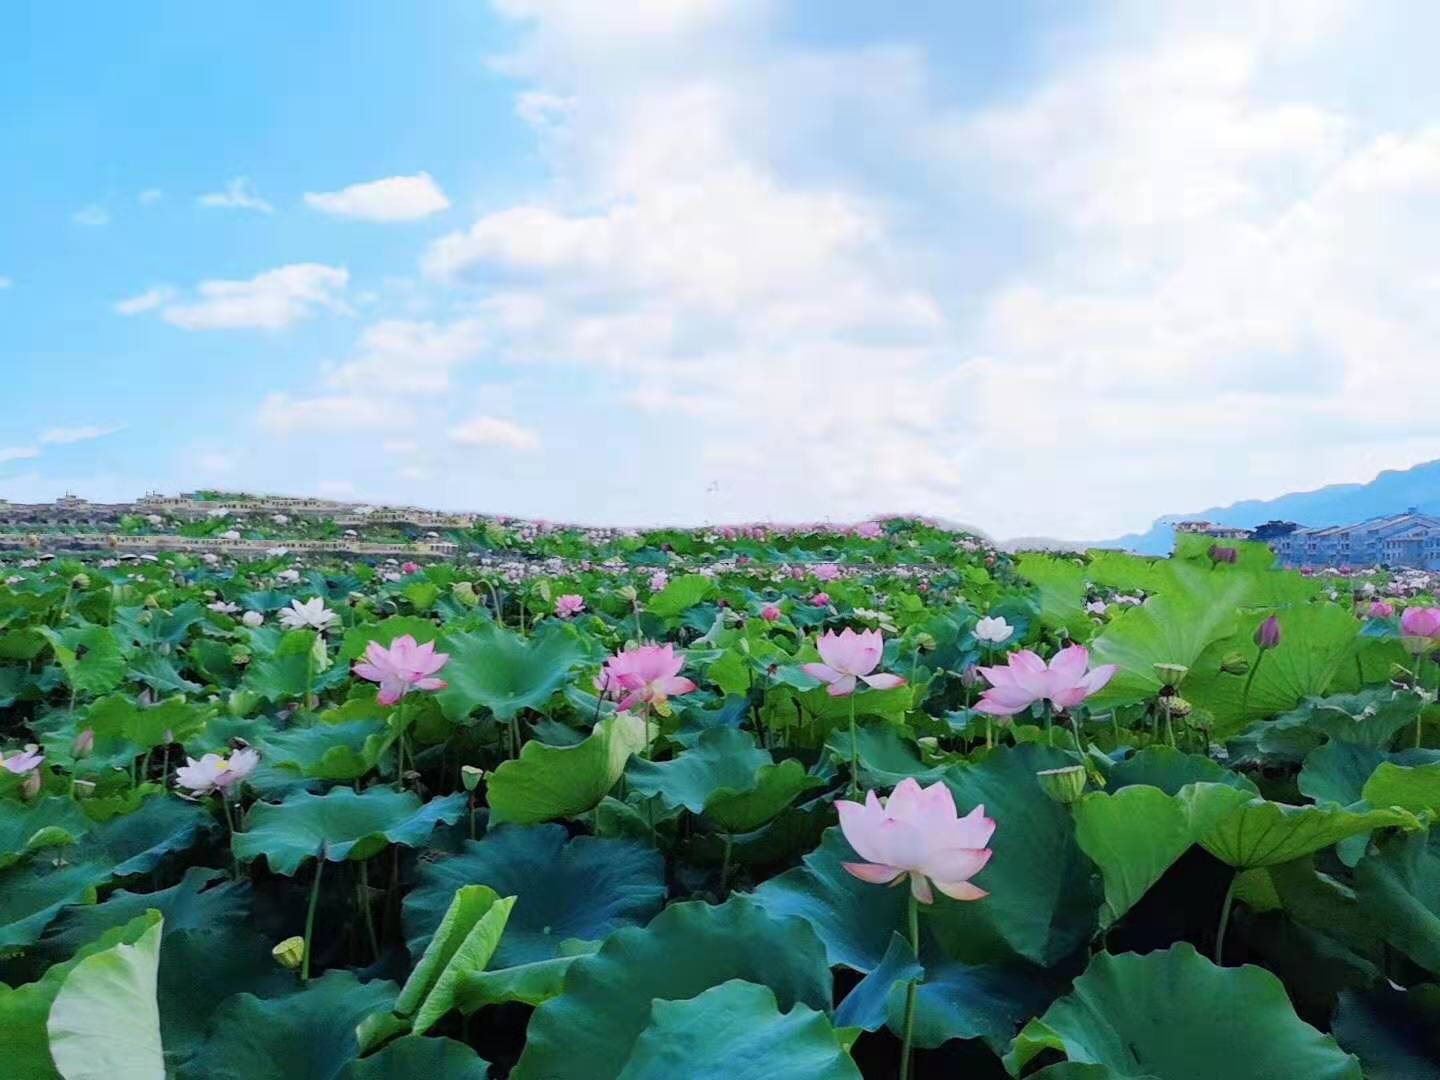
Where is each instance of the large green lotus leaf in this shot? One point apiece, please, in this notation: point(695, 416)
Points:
point(89, 657)
point(854, 919)
point(24, 1009)
point(680, 593)
point(306, 1035)
point(172, 720)
point(1370, 719)
point(1310, 898)
point(581, 889)
point(1399, 886)
point(139, 841)
point(1125, 572)
point(686, 949)
point(1177, 1016)
point(105, 1021)
point(1173, 628)
point(1044, 892)
point(417, 1058)
point(1395, 1033)
point(1411, 787)
point(1315, 640)
point(527, 983)
point(1061, 587)
point(48, 822)
point(31, 898)
point(736, 1031)
point(202, 899)
point(160, 674)
point(965, 1001)
point(146, 628)
point(726, 777)
point(866, 1006)
point(1263, 833)
point(1170, 770)
point(323, 751)
point(888, 705)
point(1135, 834)
point(352, 647)
point(548, 782)
point(886, 757)
point(505, 672)
point(344, 824)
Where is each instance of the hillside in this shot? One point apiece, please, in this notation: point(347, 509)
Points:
point(1390, 492)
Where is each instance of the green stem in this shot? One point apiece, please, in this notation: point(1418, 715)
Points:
point(910, 990)
point(1075, 731)
point(309, 680)
point(310, 914)
point(854, 752)
point(1225, 918)
point(400, 744)
point(1420, 689)
point(230, 824)
point(1245, 695)
point(989, 732)
point(364, 897)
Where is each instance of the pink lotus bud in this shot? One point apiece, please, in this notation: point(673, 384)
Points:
point(770, 613)
point(84, 743)
point(820, 599)
point(1267, 635)
point(409, 567)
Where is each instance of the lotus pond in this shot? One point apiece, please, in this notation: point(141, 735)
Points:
point(796, 804)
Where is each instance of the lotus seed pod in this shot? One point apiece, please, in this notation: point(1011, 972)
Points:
point(1171, 676)
point(289, 953)
point(471, 775)
point(1063, 785)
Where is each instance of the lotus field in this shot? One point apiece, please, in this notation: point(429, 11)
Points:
point(756, 803)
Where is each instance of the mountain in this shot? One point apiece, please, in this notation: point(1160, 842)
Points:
point(1392, 492)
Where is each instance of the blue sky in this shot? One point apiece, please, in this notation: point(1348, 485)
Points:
point(1042, 267)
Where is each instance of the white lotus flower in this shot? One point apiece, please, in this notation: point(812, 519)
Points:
point(312, 613)
point(253, 619)
point(224, 607)
point(993, 630)
point(215, 773)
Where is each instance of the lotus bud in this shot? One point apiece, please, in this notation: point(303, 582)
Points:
point(84, 743)
point(744, 646)
point(471, 775)
point(1235, 664)
point(289, 953)
point(1065, 785)
point(1170, 676)
point(1267, 635)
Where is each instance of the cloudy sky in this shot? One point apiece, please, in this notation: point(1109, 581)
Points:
point(1049, 266)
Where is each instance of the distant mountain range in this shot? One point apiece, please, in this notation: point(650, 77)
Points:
point(1392, 492)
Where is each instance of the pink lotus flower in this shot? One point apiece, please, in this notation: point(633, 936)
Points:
point(1381, 610)
point(658, 580)
point(409, 568)
point(917, 833)
point(826, 571)
point(869, 530)
point(770, 613)
point(1025, 679)
point(1420, 622)
point(23, 761)
point(569, 605)
point(403, 667)
point(820, 599)
point(849, 657)
point(215, 773)
point(649, 675)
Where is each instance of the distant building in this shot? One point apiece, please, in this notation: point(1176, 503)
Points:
point(1408, 539)
point(1209, 528)
point(1273, 530)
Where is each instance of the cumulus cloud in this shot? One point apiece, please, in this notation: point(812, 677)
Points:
point(404, 356)
point(271, 300)
point(397, 198)
point(63, 436)
point(283, 414)
point(494, 431)
point(238, 194)
point(148, 300)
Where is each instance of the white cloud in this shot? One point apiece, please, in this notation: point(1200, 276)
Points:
point(397, 198)
point(335, 414)
point(6, 282)
point(18, 453)
point(403, 356)
point(92, 216)
point(494, 431)
point(213, 461)
point(271, 300)
point(150, 196)
point(63, 436)
point(148, 300)
point(239, 194)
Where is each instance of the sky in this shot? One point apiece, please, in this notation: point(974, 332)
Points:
point(1050, 267)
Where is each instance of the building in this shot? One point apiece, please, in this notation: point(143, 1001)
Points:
point(1408, 539)
point(1210, 529)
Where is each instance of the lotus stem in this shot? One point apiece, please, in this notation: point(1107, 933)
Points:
point(1420, 689)
point(1225, 917)
point(310, 914)
point(1245, 695)
point(363, 894)
point(910, 990)
point(854, 752)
